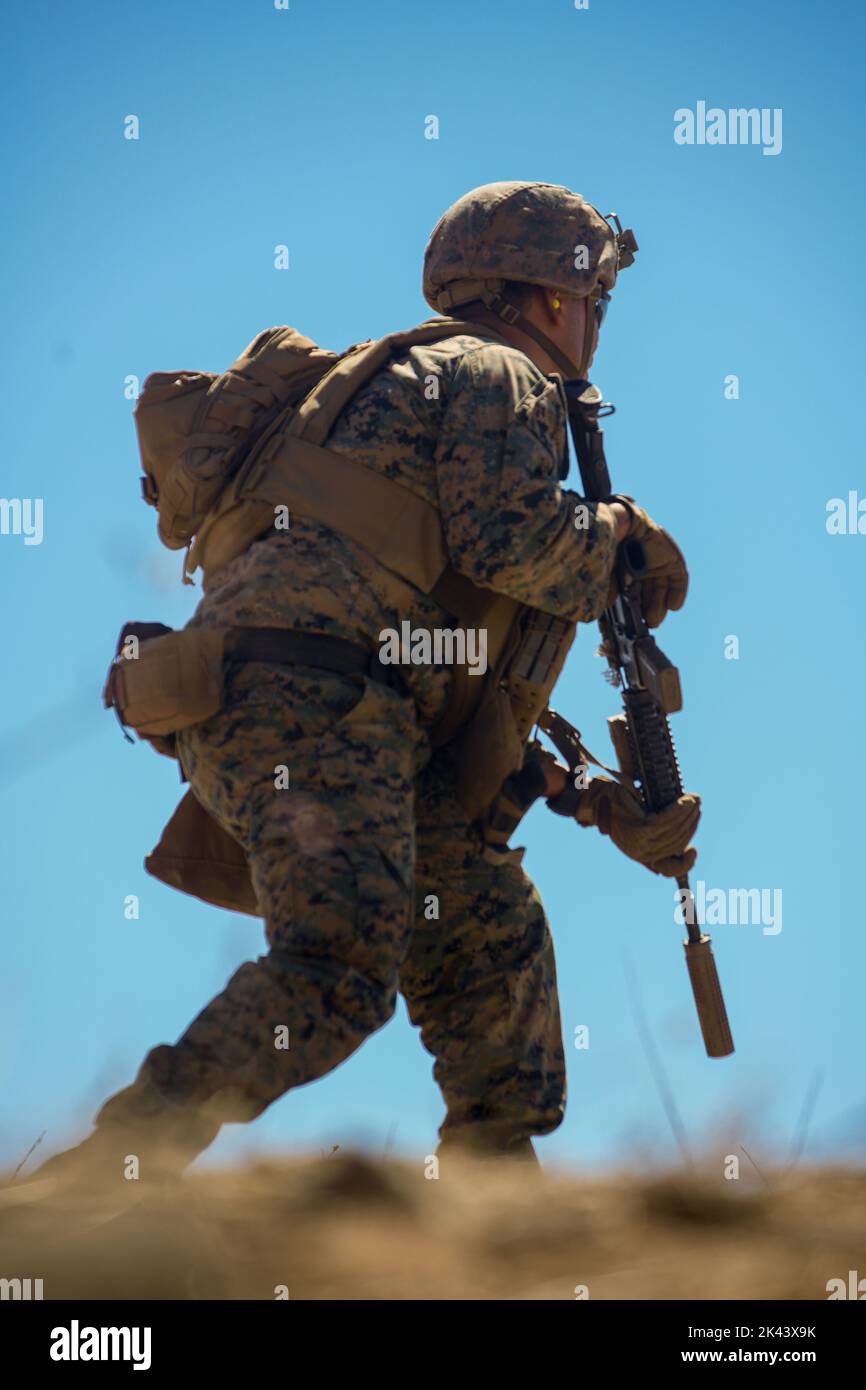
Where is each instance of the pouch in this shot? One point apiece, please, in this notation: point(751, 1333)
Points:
point(196, 856)
point(167, 683)
point(488, 751)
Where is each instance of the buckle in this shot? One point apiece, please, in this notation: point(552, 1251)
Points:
point(111, 699)
point(149, 489)
point(626, 245)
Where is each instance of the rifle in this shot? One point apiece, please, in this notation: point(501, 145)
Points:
point(650, 691)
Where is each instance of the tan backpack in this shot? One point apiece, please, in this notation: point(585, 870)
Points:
point(195, 428)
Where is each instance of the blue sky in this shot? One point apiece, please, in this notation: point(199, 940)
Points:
point(306, 127)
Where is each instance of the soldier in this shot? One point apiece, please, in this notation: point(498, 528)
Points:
point(370, 873)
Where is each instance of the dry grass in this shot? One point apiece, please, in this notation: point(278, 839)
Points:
point(352, 1227)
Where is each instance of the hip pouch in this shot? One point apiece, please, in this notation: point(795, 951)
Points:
point(489, 750)
point(492, 745)
point(163, 681)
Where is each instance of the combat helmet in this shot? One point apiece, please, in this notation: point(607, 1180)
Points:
point(535, 233)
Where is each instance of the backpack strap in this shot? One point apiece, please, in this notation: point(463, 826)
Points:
point(317, 414)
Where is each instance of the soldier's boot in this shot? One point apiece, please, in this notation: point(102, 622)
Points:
point(488, 1144)
point(523, 1149)
point(138, 1134)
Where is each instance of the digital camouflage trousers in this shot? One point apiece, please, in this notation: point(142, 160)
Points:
point(370, 880)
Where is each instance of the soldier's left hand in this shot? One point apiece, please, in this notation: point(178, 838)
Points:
point(666, 583)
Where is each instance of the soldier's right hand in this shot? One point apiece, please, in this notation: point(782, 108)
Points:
point(660, 840)
point(666, 583)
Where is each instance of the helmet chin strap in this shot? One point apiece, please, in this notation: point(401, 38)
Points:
point(571, 370)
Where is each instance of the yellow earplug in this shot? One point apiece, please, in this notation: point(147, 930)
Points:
point(557, 304)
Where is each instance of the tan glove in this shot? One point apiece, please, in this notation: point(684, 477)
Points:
point(667, 580)
point(659, 841)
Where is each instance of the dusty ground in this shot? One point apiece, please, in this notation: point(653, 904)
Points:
point(352, 1227)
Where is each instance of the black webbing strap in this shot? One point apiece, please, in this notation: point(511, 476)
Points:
point(312, 649)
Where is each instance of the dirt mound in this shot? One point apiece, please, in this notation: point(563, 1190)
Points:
point(353, 1227)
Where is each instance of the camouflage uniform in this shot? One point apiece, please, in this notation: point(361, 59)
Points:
point(480, 982)
point(370, 822)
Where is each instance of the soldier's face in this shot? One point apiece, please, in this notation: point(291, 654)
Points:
point(573, 328)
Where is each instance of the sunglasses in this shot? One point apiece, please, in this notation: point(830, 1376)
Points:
point(601, 302)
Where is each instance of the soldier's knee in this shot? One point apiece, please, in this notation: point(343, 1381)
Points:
point(333, 990)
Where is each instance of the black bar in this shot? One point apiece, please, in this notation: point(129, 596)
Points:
point(273, 1337)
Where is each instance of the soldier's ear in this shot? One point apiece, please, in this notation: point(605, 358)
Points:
point(549, 302)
